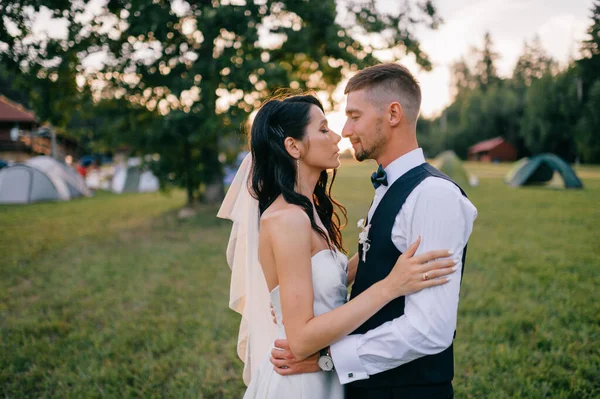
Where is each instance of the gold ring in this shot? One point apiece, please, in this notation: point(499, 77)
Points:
point(425, 277)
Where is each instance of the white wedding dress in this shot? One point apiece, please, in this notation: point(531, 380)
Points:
point(329, 275)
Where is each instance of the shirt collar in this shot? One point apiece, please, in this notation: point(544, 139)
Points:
point(401, 165)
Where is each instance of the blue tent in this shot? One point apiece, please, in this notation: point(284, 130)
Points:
point(540, 169)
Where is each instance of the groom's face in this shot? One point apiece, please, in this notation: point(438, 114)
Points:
point(364, 125)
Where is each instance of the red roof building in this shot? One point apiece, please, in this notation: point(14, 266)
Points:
point(20, 135)
point(10, 111)
point(16, 124)
point(493, 150)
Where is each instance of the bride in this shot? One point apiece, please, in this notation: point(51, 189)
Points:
point(297, 262)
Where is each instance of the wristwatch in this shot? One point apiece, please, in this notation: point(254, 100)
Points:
point(325, 361)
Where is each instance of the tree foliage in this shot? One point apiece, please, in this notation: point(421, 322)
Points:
point(199, 68)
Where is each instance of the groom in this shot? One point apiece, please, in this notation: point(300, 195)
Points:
point(405, 350)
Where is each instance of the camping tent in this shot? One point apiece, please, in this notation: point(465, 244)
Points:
point(448, 163)
point(40, 179)
point(545, 168)
point(58, 171)
point(514, 169)
point(133, 179)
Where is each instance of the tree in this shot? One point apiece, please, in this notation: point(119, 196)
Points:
point(479, 115)
point(478, 70)
point(11, 86)
point(589, 64)
point(588, 127)
point(532, 64)
point(462, 77)
point(485, 69)
point(202, 66)
point(551, 114)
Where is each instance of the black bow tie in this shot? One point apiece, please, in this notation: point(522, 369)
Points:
point(378, 178)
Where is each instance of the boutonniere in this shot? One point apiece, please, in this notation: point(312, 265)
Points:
point(363, 238)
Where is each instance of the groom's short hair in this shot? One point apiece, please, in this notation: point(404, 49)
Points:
point(386, 83)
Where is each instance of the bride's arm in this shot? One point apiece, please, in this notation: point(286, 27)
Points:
point(290, 237)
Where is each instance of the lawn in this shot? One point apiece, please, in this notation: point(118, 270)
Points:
point(113, 296)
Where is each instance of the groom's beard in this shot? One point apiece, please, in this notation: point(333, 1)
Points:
point(376, 148)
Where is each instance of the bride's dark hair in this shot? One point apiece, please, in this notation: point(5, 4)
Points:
point(274, 169)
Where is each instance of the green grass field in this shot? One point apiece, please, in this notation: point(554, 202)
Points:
point(113, 296)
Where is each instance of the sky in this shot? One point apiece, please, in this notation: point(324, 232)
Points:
point(561, 25)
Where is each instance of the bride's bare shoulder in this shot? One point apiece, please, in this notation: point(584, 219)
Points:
point(283, 216)
point(287, 230)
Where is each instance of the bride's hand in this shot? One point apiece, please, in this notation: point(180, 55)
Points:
point(414, 273)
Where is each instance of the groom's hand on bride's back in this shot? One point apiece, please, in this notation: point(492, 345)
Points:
point(285, 363)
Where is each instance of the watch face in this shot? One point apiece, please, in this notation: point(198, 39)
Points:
point(325, 363)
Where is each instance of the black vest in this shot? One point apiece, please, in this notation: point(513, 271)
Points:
point(381, 258)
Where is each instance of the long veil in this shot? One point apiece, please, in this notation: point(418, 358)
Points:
point(248, 295)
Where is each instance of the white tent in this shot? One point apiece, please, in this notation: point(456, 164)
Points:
point(64, 177)
point(133, 179)
point(40, 179)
